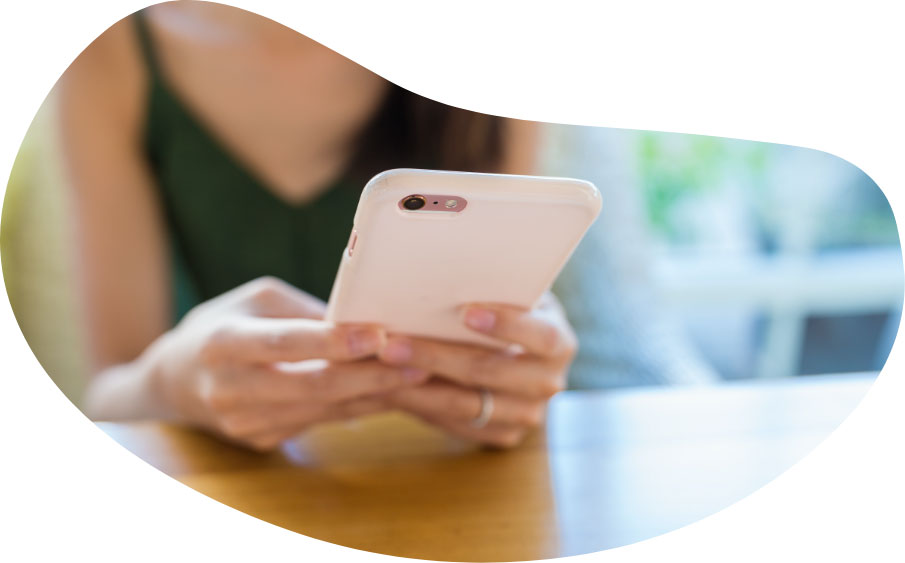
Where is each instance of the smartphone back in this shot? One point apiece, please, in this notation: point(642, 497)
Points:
point(504, 241)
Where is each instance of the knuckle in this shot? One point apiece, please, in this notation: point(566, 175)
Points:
point(550, 338)
point(211, 352)
point(217, 396)
point(266, 286)
point(267, 290)
point(268, 281)
point(532, 416)
point(508, 438)
point(265, 444)
point(570, 346)
point(551, 386)
point(220, 400)
point(233, 426)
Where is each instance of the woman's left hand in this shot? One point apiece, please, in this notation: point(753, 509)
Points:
point(520, 381)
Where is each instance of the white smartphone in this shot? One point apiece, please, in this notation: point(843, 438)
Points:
point(427, 242)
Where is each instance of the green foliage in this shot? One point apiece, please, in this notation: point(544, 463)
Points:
point(675, 167)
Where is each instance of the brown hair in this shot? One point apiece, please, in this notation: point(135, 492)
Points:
point(411, 131)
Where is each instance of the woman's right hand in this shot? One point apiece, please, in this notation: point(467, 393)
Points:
point(258, 365)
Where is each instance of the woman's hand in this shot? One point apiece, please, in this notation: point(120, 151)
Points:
point(257, 366)
point(521, 378)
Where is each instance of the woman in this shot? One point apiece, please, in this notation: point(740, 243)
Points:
point(216, 159)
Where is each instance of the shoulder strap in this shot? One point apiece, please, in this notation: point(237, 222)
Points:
point(146, 42)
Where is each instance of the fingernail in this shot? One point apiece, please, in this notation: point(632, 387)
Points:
point(480, 319)
point(363, 341)
point(414, 375)
point(397, 350)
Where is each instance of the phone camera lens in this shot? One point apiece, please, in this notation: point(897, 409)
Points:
point(413, 202)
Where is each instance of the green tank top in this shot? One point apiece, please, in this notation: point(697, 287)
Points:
point(225, 227)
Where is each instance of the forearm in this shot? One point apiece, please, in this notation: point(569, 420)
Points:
point(127, 391)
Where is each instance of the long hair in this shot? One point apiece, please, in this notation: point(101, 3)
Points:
point(411, 131)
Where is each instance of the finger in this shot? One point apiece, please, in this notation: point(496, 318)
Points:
point(339, 382)
point(443, 400)
point(269, 423)
point(258, 420)
point(356, 408)
point(477, 366)
point(539, 332)
point(272, 297)
point(266, 340)
point(497, 435)
point(269, 440)
point(314, 381)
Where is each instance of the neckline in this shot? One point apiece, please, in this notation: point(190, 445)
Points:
point(254, 180)
point(160, 85)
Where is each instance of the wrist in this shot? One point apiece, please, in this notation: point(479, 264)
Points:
point(154, 366)
point(129, 391)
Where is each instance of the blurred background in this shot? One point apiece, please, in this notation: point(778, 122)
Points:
point(714, 257)
point(774, 261)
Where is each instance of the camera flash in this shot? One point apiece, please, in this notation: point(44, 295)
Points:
point(450, 203)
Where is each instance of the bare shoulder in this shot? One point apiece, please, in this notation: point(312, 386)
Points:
point(109, 75)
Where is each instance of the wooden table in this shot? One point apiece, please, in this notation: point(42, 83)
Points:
point(611, 468)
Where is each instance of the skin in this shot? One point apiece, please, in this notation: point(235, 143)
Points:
point(521, 377)
point(258, 364)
